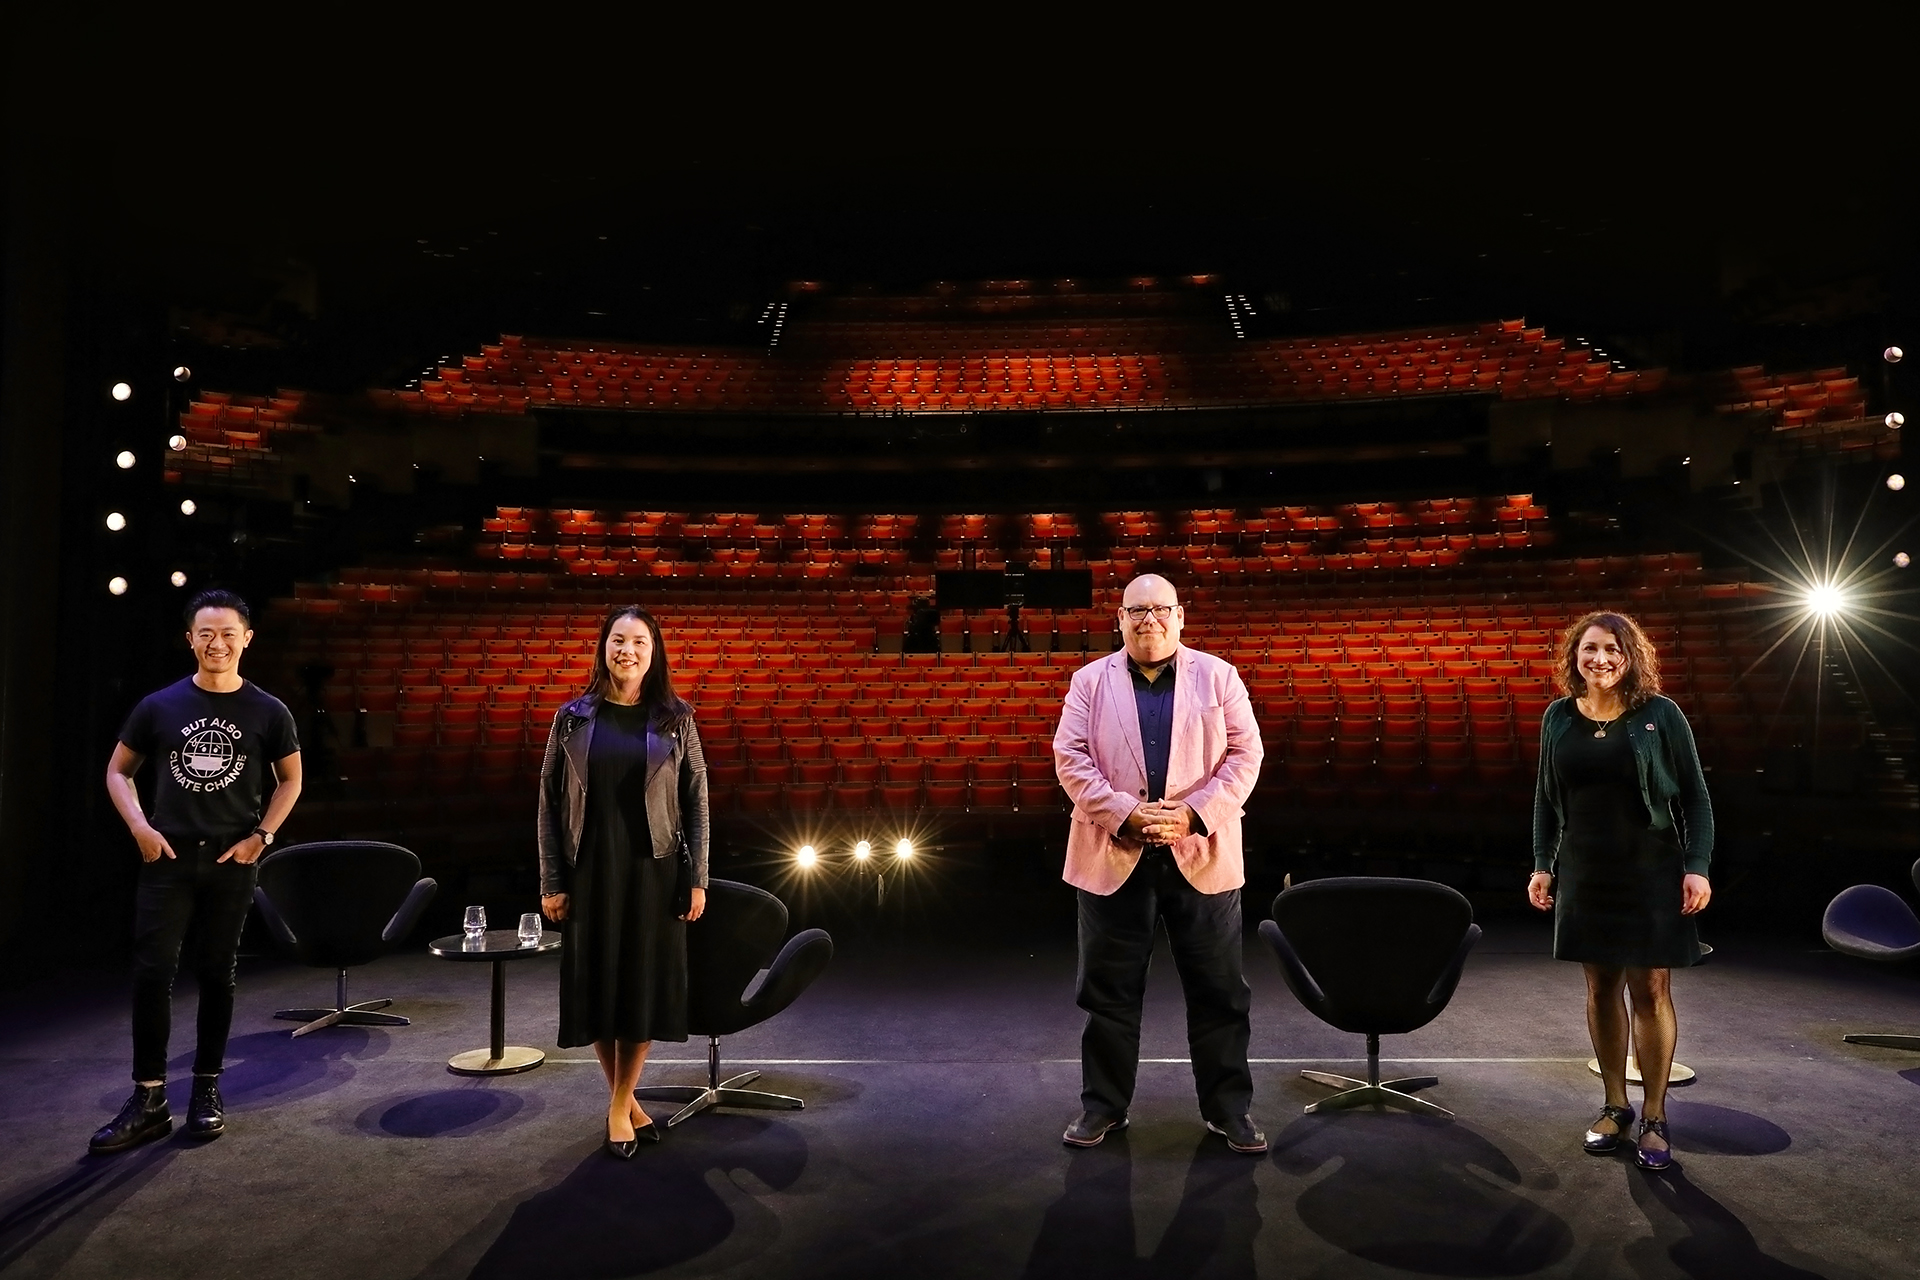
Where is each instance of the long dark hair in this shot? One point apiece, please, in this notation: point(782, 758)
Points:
point(1642, 680)
point(664, 707)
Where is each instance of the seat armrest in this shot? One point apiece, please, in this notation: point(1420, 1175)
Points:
point(1298, 979)
point(276, 923)
point(803, 959)
point(1450, 977)
point(409, 913)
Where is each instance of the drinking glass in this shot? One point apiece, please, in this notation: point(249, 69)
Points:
point(531, 929)
point(476, 921)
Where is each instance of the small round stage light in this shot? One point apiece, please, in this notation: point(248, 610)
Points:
point(176, 443)
point(116, 521)
point(1893, 355)
point(904, 849)
point(1896, 482)
point(806, 856)
point(181, 373)
point(178, 579)
point(1824, 599)
point(1896, 420)
point(862, 851)
point(117, 586)
point(1901, 559)
point(124, 460)
point(188, 506)
point(122, 391)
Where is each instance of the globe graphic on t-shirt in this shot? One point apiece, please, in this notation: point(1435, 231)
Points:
point(208, 754)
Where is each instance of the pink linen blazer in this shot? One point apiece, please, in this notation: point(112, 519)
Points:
point(1213, 764)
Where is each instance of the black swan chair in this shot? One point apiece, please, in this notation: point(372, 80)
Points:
point(1376, 956)
point(735, 938)
point(1869, 922)
point(335, 904)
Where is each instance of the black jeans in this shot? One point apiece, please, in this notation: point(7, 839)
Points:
point(192, 888)
point(1116, 945)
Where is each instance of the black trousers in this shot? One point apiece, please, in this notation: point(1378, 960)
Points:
point(1116, 946)
point(190, 889)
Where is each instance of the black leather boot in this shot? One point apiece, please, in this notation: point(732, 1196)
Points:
point(144, 1118)
point(206, 1116)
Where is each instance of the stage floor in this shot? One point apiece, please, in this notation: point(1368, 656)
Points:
point(937, 1080)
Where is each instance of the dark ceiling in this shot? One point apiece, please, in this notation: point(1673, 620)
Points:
point(355, 212)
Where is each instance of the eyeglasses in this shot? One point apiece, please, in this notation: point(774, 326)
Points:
point(1139, 612)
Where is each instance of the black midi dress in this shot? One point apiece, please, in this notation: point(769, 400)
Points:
point(623, 968)
point(1618, 893)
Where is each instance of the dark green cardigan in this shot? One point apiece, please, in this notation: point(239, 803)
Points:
point(1669, 769)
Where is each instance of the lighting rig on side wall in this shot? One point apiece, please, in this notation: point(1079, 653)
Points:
point(1841, 606)
point(127, 493)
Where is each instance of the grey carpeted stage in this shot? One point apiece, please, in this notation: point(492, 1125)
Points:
point(937, 1080)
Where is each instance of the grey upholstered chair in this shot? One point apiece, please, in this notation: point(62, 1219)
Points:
point(1873, 923)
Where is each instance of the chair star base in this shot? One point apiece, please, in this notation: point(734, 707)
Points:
point(353, 1015)
point(1362, 1093)
point(726, 1093)
point(1884, 1041)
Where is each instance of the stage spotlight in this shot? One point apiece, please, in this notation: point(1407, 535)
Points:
point(1896, 420)
point(122, 391)
point(862, 851)
point(1893, 355)
point(178, 579)
point(116, 521)
point(1825, 599)
point(176, 443)
point(181, 373)
point(124, 460)
point(188, 506)
point(1901, 559)
point(903, 850)
point(1896, 482)
point(805, 857)
point(117, 586)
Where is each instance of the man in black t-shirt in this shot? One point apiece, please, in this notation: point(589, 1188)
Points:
point(216, 741)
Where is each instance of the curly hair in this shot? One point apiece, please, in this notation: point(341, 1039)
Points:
point(1642, 678)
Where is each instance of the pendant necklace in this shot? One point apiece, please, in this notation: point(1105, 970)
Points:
point(1601, 730)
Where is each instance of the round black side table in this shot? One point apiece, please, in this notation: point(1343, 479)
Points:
point(496, 946)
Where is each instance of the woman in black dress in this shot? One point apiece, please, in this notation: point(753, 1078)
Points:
point(1622, 835)
point(623, 860)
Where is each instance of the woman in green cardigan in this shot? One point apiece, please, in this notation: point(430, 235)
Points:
point(1622, 835)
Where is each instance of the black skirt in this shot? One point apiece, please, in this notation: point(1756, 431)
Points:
point(623, 967)
point(1618, 893)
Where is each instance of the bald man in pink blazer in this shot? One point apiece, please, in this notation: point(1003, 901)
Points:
point(1158, 750)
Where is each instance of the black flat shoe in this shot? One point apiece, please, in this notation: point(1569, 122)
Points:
point(1600, 1144)
point(1655, 1159)
point(649, 1132)
point(621, 1150)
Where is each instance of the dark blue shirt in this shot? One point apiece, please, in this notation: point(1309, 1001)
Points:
point(1155, 703)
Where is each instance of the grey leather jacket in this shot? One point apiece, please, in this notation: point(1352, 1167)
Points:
point(676, 794)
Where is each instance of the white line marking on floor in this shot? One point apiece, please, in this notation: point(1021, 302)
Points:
point(915, 1062)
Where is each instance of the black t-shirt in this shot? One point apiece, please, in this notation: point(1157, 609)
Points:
point(211, 753)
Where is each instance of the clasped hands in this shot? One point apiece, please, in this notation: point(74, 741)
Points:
point(1161, 821)
point(1695, 892)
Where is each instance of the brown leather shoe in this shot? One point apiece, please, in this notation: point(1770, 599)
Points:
point(1090, 1129)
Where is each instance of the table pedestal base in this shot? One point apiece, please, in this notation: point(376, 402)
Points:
point(1677, 1074)
point(485, 1062)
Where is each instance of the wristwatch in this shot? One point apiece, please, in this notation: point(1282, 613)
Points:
point(266, 836)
